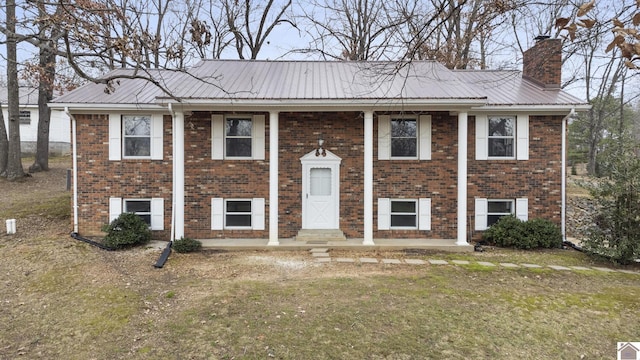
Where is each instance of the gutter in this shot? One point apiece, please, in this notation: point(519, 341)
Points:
point(75, 168)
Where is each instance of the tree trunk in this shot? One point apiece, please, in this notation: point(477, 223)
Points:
point(4, 146)
point(14, 165)
point(45, 94)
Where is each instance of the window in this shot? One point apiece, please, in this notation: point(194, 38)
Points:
point(238, 137)
point(136, 135)
point(25, 117)
point(407, 214)
point(141, 208)
point(150, 210)
point(501, 136)
point(404, 214)
point(237, 213)
point(404, 138)
point(497, 209)
point(489, 211)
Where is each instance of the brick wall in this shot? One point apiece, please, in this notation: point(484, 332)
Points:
point(538, 179)
point(543, 63)
point(99, 179)
point(230, 179)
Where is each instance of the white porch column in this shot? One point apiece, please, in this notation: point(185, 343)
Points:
point(368, 178)
point(462, 179)
point(178, 174)
point(273, 179)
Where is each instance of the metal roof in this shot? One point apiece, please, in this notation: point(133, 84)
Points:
point(510, 88)
point(318, 82)
point(28, 96)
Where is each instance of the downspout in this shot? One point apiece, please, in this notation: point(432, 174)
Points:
point(173, 176)
point(563, 215)
point(75, 168)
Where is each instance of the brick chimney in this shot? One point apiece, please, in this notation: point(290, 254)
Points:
point(543, 62)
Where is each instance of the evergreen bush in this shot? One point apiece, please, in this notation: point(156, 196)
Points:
point(125, 231)
point(186, 245)
point(512, 232)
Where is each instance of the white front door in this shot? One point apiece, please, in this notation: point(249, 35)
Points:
point(320, 192)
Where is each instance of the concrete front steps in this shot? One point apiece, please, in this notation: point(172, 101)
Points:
point(320, 236)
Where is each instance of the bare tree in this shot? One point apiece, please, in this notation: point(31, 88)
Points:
point(462, 34)
point(355, 29)
point(252, 22)
point(4, 146)
point(14, 169)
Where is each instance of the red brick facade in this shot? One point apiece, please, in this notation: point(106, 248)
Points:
point(538, 179)
point(543, 63)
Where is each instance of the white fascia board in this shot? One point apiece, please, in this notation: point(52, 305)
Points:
point(333, 105)
point(532, 109)
point(99, 108)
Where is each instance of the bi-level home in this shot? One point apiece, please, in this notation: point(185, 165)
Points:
point(282, 151)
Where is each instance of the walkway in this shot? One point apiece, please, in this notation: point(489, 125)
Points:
point(321, 255)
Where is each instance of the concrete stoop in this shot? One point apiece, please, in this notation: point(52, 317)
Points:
point(320, 236)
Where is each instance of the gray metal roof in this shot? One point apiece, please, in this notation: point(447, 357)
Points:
point(238, 81)
point(28, 96)
point(509, 88)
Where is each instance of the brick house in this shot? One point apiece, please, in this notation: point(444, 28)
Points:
point(359, 150)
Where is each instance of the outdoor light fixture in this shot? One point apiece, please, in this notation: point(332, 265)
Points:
point(320, 150)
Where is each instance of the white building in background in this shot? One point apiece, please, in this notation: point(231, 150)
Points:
point(59, 127)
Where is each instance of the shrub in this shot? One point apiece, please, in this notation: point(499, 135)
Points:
point(505, 232)
point(126, 230)
point(185, 245)
point(543, 233)
point(535, 233)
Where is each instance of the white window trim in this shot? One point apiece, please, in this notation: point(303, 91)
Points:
point(219, 214)
point(423, 134)
point(250, 213)
point(116, 138)
point(521, 137)
point(117, 205)
point(512, 137)
point(423, 214)
point(218, 137)
point(520, 210)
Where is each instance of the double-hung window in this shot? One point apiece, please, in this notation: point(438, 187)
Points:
point(142, 208)
point(501, 137)
point(136, 135)
point(238, 137)
point(237, 214)
point(497, 209)
point(238, 131)
point(150, 210)
point(404, 138)
point(404, 214)
point(489, 211)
